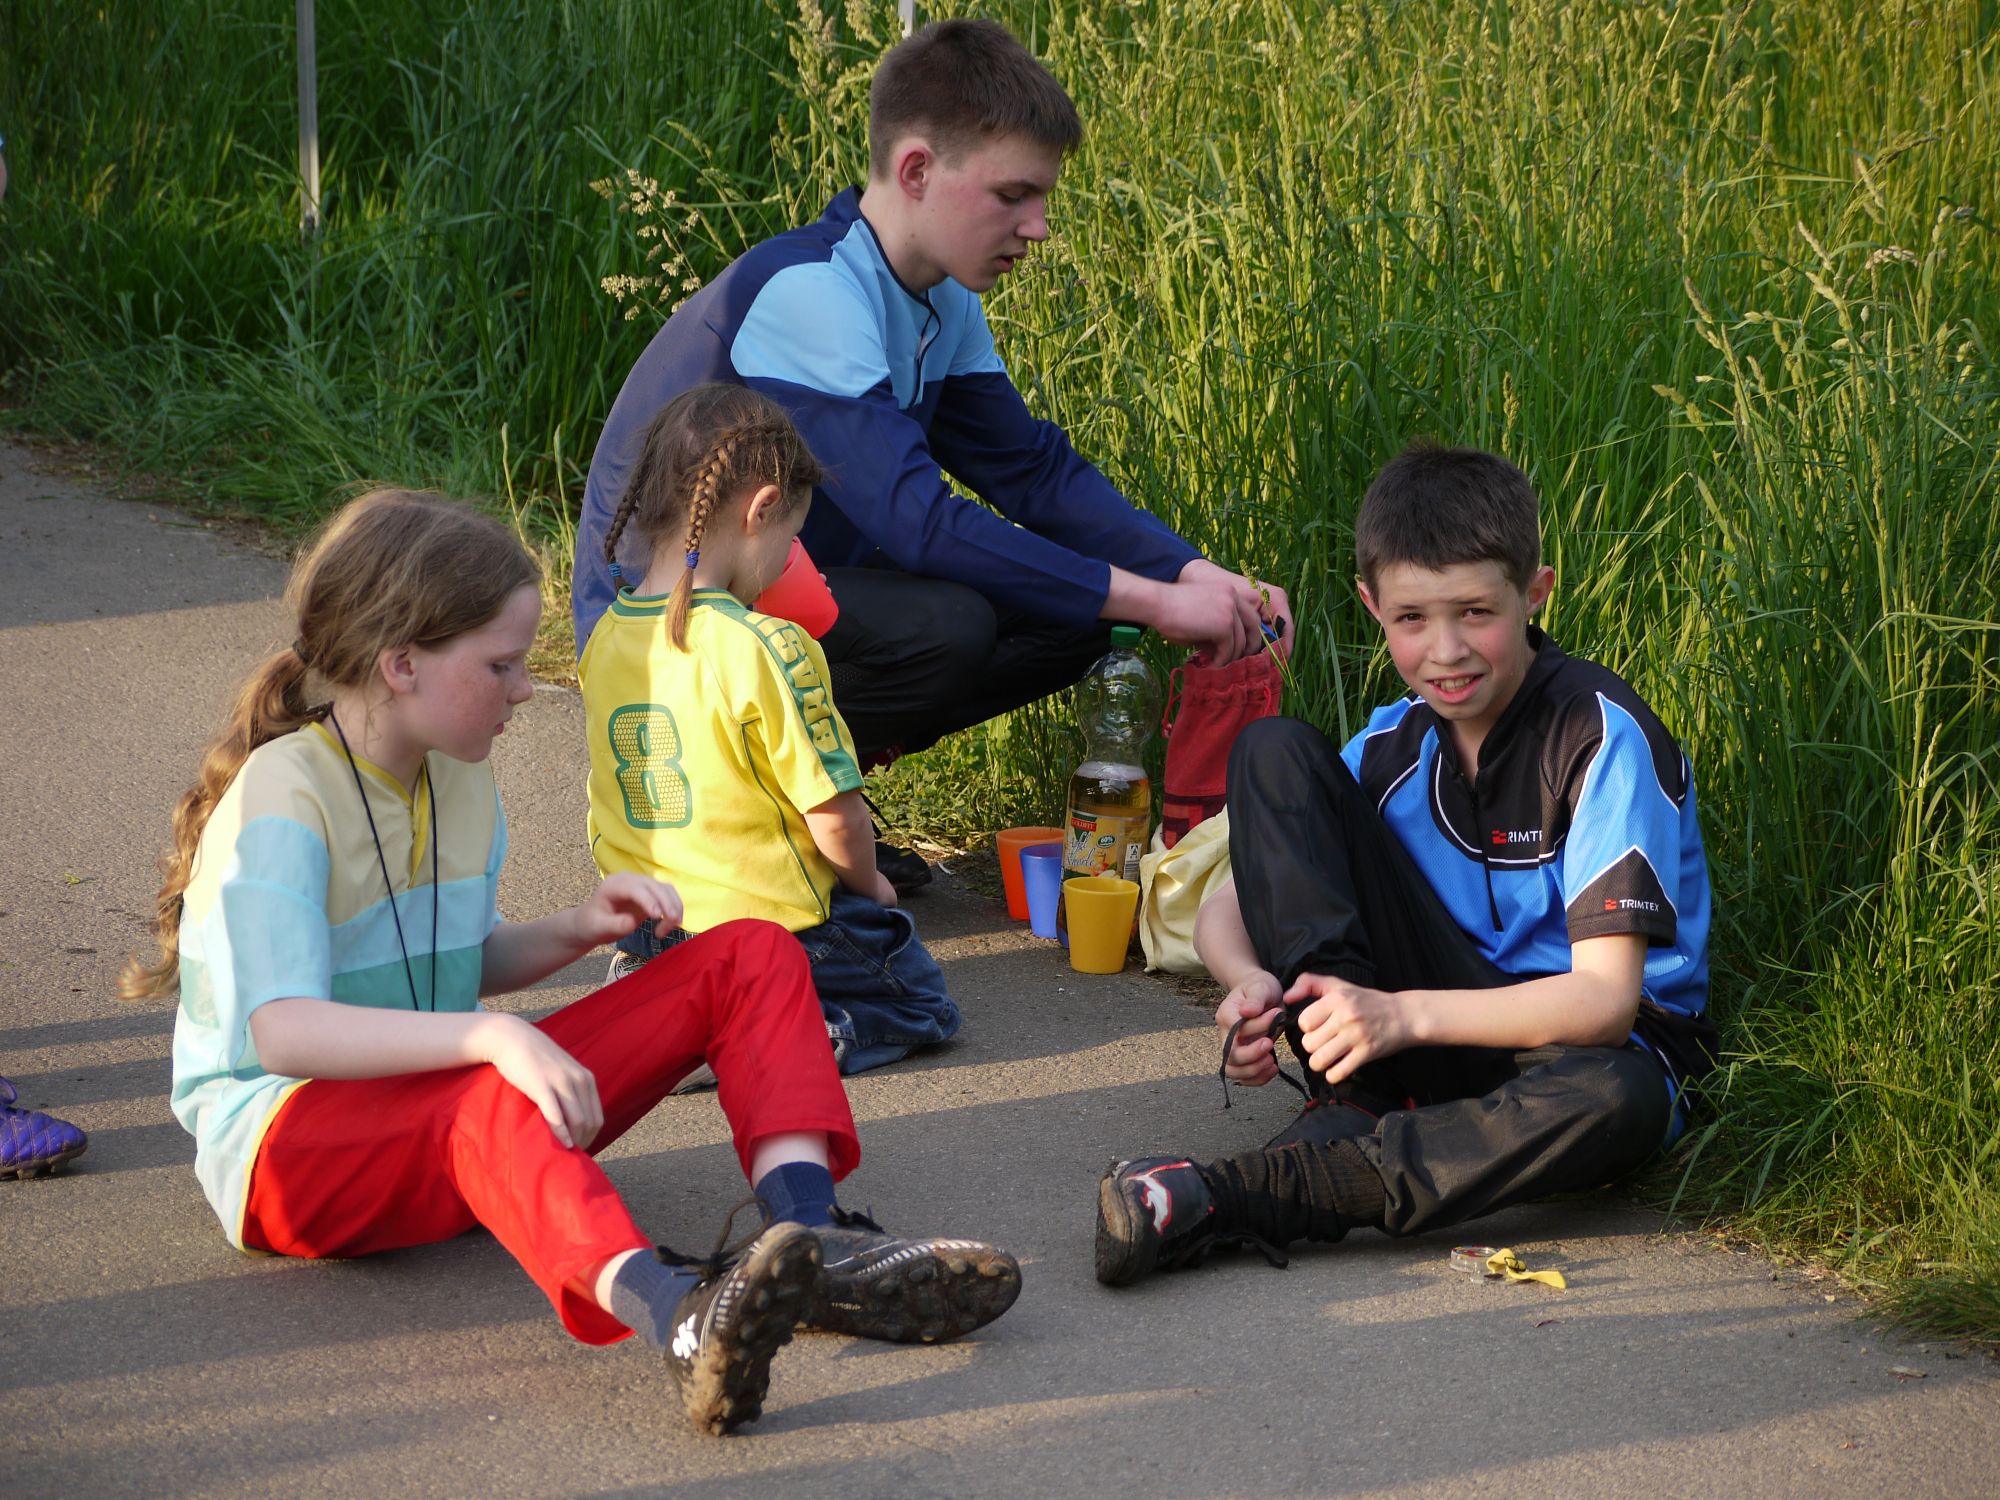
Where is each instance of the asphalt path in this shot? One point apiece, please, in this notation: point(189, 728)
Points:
point(140, 1355)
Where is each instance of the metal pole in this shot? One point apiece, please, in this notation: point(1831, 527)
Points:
point(908, 10)
point(308, 124)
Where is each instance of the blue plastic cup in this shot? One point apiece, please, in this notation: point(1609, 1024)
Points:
point(1042, 877)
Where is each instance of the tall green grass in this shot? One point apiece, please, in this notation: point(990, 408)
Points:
point(448, 326)
point(1722, 277)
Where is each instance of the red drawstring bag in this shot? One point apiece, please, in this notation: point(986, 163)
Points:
point(1207, 708)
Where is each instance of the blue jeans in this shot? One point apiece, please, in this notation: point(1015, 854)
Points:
point(879, 988)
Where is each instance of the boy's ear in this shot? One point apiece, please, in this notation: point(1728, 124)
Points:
point(912, 165)
point(1368, 600)
point(1539, 585)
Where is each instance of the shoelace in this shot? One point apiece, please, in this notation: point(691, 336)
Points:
point(1242, 1239)
point(848, 1219)
point(1229, 1045)
point(724, 1256)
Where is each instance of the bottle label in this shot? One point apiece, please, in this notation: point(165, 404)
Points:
point(1104, 844)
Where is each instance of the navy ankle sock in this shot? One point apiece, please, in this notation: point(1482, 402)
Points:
point(800, 1192)
point(645, 1294)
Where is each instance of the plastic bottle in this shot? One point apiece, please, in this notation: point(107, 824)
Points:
point(1110, 815)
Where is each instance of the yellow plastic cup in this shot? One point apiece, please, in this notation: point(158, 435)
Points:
point(1100, 911)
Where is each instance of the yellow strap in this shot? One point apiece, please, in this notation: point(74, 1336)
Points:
point(1507, 1263)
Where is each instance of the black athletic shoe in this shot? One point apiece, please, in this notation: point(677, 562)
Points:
point(727, 1329)
point(1155, 1213)
point(875, 1285)
point(905, 868)
point(1324, 1121)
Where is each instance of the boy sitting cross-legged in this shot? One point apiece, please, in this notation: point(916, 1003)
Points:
point(1483, 925)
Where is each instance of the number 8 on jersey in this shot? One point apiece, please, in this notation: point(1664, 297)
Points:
point(647, 747)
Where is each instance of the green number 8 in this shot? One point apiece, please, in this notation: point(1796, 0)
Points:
point(648, 747)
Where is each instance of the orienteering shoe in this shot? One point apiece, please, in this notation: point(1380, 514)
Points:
point(1155, 1213)
point(32, 1143)
point(905, 869)
point(875, 1285)
point(727, 1329)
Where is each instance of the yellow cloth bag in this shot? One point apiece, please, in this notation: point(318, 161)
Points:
point(1172, 885)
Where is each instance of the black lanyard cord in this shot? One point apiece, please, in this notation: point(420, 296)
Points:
point(430, 789)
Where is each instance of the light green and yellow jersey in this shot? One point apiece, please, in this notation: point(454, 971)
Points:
point(704, 762)
point(287, 900)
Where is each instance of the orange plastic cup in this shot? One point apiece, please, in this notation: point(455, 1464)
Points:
point(800, 595)
point(1008, 843)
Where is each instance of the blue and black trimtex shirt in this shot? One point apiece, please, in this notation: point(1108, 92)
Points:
point(1579, 824)
point(888, 386)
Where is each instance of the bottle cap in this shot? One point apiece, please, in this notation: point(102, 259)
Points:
point(1127, 635)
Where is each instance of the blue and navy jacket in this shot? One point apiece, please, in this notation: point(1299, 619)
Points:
point(888, 386)
point(1580, 823)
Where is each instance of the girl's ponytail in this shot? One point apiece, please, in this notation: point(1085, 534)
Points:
point(271, 702)
point(700, 449)
point(708, 488)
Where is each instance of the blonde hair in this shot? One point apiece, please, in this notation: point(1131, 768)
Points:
point(703, 447)
point(392, 568)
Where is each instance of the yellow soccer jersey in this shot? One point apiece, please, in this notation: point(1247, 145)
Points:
point(704, 762)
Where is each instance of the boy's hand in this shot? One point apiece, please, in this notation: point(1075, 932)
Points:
point(1276, 615)
point(1224, 614)
point(1212, 609)
point(620, 903)
point(1346, 1025)
point(1257, 1002)
point(563, 1089)
point(884, 892)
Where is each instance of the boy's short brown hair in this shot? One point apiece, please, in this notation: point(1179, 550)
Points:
point(1433, 507)
point(961, 82)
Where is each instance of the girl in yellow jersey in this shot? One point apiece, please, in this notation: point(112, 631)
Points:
point(717, 756)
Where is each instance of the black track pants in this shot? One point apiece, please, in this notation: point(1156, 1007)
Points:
point(1455, 1132)
point(915, 658)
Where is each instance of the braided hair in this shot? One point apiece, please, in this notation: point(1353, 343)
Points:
point(702, 450)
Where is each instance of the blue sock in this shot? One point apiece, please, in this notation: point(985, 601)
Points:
point(645, 1293)
point(800, 1192)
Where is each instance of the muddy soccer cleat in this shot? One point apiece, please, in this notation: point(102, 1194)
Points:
point(727, 1329)
point(33, 1144)
point(876, 1285)
point(1155, 1213)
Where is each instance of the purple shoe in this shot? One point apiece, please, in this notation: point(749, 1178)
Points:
point(32, 1143)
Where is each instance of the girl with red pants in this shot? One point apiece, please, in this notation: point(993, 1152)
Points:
point(329, 921)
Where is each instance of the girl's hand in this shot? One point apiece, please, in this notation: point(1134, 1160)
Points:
point(621, 903)
point(563, 1089)
point(1253, 1060)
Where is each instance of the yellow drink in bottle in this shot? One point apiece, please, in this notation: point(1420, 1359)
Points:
point(1109, 816)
